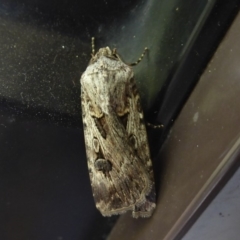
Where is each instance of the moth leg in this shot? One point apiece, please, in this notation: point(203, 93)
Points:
point(140, 59)
point(155, 126)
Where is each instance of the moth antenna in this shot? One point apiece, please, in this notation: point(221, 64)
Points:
point(140, 59)
point(93, 46)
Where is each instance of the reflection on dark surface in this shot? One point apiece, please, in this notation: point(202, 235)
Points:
point(44, 183)
point(44, 48)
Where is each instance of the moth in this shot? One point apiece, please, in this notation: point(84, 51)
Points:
point(119, 162)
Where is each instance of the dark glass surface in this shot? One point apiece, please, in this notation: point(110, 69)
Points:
point(44, 48)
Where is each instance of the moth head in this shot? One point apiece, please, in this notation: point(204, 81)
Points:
point(106, 52)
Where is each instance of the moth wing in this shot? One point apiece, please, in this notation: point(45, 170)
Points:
point(116, 144)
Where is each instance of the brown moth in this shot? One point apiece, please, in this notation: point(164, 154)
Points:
point(119, 162)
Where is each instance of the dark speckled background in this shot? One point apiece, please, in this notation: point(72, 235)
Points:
point(44, 48)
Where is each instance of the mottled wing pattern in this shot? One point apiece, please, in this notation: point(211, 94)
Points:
point(118, 155)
